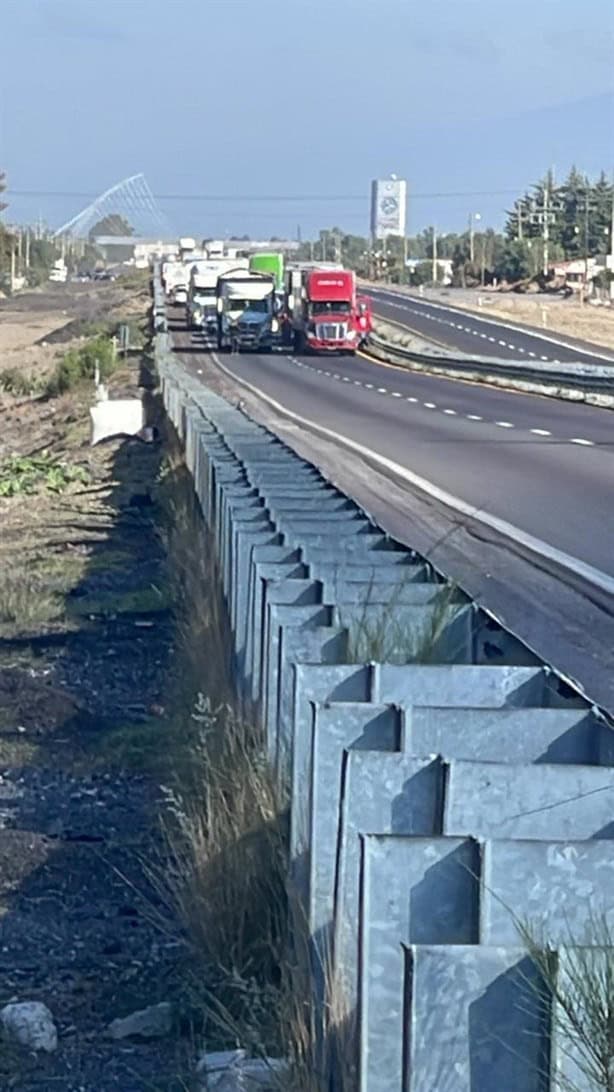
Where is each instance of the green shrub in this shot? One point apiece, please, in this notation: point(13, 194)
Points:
point(79, 364)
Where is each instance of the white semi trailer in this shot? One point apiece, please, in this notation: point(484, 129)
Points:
point(246, 311)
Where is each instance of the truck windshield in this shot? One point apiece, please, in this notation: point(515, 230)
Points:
point(201, 294)
point(328, 307)
point(261, 306)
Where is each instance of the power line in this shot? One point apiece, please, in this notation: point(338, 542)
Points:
point(265, 197)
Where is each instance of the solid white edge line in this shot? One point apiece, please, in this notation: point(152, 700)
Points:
point(587, 572)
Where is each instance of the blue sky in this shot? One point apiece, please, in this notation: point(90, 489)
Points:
point(302, 98)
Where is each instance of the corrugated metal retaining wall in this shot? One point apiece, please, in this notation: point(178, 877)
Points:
point(434, 804)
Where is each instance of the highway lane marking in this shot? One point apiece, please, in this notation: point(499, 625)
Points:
point(525, 331)
point(535, 545)
point(430, 405)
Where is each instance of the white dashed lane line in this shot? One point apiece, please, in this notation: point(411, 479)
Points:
point(542, 432)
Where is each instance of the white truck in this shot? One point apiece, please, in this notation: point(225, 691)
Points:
point(59, 272)
point(246, 311)
point(176, 276)
point(201, 307)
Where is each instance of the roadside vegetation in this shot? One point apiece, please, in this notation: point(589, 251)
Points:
point(514, 255)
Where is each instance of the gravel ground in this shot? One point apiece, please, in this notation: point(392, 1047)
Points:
point(86, 655)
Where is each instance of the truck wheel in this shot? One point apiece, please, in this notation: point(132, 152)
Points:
point(299, 341)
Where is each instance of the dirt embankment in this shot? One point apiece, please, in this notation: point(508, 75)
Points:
point(567, 317)
point(87, 636)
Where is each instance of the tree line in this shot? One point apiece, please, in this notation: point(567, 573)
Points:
point(575, 215)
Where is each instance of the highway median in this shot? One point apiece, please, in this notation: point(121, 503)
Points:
point(574, 382)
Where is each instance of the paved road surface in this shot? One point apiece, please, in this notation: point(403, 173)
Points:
point(544, 466)
point(469, 333)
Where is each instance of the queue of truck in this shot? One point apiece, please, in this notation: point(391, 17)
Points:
point(261, 303)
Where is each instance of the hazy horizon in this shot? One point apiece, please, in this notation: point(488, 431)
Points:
point(240, 102)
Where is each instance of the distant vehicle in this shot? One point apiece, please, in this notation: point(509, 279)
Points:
point(201, 306)
point(186, 246)
point(322, 311)
point(59, 272)
point(246, 311)
point(179, 295)
point(273, 264)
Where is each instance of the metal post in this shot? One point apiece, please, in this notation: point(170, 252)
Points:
point(586, 247)
point(546, 232)
point(434, 255)
point(471, 241)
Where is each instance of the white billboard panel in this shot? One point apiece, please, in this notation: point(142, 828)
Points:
point(388, 203)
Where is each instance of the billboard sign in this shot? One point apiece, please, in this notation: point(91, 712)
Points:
point(388, 201)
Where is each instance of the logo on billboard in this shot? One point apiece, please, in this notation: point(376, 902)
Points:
point(388, 199)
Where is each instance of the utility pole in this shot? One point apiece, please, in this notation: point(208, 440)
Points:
point(27, 248)
point(612, 247)
point(586, 243)
point(471, 241)
point(546, 225)
point(434, 255)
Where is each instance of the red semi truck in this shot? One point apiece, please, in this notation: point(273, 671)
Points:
point(323, 313)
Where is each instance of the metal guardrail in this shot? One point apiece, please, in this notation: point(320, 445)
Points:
point(429, 803)
point(595, 379)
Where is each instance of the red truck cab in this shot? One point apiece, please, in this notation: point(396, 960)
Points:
point(326, 322)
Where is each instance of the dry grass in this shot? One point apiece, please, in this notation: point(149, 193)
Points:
point(376, 634)
point(224, 874)
point(586, 322)
point(577, 998)
point(26, 601)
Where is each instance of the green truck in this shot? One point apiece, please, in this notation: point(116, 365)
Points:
point(273, 266)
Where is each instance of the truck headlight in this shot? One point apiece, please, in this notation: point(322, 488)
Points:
point(274, 325)
point(351, 334)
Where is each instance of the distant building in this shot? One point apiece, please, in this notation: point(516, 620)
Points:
point(574, 271)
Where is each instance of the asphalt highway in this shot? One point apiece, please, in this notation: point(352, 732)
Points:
point(470, 333)
point(545, 466)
